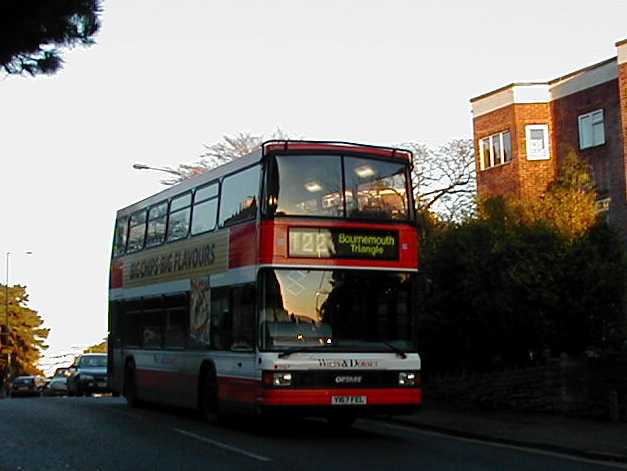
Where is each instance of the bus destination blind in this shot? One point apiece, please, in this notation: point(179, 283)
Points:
point(314, 242)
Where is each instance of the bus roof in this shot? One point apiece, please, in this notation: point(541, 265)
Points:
point(267, 148)
point(336, 146)
point(193, 182)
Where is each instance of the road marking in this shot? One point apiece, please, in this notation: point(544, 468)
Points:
point(222, 445)
point(537, 451)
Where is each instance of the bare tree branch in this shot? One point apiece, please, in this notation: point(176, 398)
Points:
point(229, 148)
point(445, 179)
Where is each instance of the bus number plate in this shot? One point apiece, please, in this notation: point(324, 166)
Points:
point(349, 400)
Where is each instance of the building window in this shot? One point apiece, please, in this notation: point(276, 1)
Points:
point(602, 207)
point(591, 129)
point(537, 138)
point(485, 153)
point(507, 146)
point(495, 149)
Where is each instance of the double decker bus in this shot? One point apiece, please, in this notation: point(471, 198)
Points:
point(283, 281)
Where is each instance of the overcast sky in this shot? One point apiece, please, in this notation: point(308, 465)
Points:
point(167, 77)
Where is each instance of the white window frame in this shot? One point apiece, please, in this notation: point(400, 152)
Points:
point(545, 153)
point(481, 152)
point(490, 138)
point(592, 118)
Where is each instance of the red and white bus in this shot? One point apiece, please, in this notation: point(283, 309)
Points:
point(284, 281)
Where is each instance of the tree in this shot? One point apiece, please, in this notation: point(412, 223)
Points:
point(569, 203)
point(221, 152)
point(97, 348)
point(445, 179)
point(32, 32)
point(524, 277)
point(27, 336)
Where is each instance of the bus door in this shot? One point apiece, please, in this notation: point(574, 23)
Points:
point(233, 336)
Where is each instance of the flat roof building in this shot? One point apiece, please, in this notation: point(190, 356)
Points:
point(523, 130)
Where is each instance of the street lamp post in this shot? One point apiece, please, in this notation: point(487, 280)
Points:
point(7, 335)
point(159, 169)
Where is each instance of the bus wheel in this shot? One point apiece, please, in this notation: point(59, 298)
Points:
point(130, 386)
point(208, 395)
point(341, 421)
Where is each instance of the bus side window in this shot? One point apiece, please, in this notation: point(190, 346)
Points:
point(177, 308)
point(221, 319)
point(119, 238)
point(131, 312)
point(243, 317)
point(137, 231)
point(239, 196)
point(152, 323)
point(178, 217)
point(157, 216)
point(205, 210)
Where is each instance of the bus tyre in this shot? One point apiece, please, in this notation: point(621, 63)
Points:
point(130, 385)
point(341, 421)
point(208, 395)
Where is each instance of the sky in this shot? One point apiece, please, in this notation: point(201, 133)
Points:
point(165, 78)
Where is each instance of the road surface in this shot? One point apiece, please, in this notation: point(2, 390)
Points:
point(61, 434)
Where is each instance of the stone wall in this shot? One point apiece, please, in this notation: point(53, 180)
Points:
point(580, 387)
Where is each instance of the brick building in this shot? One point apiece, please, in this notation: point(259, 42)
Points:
point(522, 130)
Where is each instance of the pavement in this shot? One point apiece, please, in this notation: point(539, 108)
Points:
point(594, 439)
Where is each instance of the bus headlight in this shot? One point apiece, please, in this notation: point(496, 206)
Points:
point(282, 379)
point(408, 378)
point(277, 379)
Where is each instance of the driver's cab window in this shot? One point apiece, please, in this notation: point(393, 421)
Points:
point(376, 189)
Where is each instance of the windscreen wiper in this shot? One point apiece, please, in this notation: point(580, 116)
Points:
point(287, 353)
point(398, 351)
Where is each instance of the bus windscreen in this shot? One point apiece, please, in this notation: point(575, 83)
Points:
point(336, 310)
point(334, 186)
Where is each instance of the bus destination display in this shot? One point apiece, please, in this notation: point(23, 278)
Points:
point(342, 243)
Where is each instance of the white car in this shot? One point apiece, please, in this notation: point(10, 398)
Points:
point(58, 384)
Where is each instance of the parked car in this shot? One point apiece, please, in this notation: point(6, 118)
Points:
point(88, 375)
point(27, 386)
point(58, 384)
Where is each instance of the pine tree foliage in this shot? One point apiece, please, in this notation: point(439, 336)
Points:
point(33, 32)
point(27, 336)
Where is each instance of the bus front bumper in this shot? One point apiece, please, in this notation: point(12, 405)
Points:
point(393, 401)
